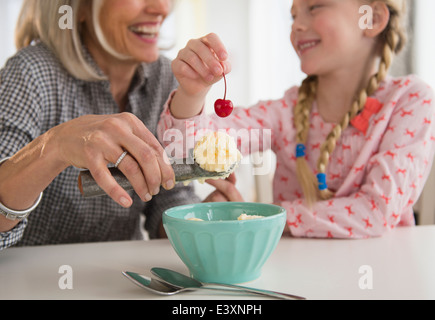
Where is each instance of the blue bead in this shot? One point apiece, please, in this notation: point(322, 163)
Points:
point(321, 178)
point(300, 150)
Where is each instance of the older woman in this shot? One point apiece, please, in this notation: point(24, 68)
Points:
point(84, 98)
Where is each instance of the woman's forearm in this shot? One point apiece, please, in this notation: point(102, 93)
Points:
point(27, 174)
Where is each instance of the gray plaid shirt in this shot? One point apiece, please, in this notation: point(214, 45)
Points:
point(36, 94)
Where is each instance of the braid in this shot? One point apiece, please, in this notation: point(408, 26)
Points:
point(302, 123)
point(393, 38)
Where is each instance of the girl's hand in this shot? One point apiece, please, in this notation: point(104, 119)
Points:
point(201, 64)
point(197, 67)
point(225, 190)
point(286, 233)
point(94, 141)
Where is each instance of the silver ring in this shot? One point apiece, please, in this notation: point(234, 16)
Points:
point(120, 159)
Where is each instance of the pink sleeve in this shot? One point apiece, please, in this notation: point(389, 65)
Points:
point(394, 178)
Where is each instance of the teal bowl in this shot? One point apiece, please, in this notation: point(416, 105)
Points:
point(222, 249)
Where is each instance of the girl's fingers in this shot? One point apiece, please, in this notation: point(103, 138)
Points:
point(206, 56)
point(227, 188)
point(232, 178)
point(213, 41)
point(181, 68)
point(216, 196)
point(195, 62)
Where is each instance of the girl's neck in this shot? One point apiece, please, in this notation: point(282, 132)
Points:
point(337, 90)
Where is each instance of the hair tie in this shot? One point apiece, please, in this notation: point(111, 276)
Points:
point(321, 178)
point(300, 150)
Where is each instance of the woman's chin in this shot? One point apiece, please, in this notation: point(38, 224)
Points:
point(146, 56)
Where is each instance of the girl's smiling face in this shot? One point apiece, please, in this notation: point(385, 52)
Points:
point(326, 35)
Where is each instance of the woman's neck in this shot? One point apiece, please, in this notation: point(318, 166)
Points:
point(119, 73)
point(120, 77)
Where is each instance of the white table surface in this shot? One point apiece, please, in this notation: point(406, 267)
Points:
point(402, 265)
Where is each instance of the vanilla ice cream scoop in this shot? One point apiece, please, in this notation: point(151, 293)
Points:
point(216, 152)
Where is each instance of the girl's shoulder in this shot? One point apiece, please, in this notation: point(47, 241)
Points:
point(284, 103)
point(292, 94)
point(410, 86)
point(287, 101)
point(406, 95)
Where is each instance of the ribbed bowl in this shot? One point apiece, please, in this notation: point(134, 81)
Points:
point(222, 249)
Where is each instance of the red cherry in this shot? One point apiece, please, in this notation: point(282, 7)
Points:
point(222, 107)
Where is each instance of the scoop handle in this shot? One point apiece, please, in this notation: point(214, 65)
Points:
point(89, 188)
point(183, 172)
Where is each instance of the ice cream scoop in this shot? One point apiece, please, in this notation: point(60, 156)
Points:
point(215, 156)
point(184, 172)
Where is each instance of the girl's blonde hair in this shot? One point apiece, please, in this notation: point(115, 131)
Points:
point(39, 21)
point(393, 39)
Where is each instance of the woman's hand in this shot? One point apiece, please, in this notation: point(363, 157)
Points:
point(197, 67)
point(225, 190)
point(94, 141)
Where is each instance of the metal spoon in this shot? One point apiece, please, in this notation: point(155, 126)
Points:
point(182, 281)
point(183, 172)
point(152, 285)
point(159, 287)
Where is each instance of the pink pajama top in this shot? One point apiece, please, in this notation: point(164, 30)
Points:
point(377, 173)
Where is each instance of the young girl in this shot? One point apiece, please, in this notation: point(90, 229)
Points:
point(354, 146)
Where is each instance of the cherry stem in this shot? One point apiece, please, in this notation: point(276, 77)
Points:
point(225, 81)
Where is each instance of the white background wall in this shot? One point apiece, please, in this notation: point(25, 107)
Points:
point(9, 10)
point(256, 33)
point(425, 40)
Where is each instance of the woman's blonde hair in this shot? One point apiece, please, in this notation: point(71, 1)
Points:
point(39, 21)
point(393, 39)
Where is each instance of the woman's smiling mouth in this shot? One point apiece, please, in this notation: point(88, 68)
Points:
point(146, 31)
